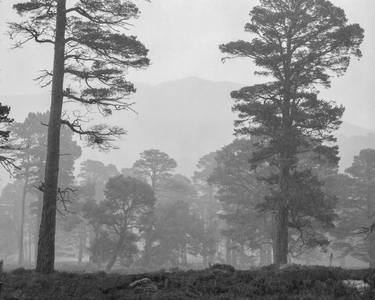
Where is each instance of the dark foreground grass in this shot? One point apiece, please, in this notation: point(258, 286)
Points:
point(267, 283)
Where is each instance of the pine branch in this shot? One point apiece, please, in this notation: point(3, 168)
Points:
point(101, 136)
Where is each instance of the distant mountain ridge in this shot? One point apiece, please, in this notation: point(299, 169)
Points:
point(187, 118)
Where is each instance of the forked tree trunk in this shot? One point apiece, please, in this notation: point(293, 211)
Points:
point(46, 243)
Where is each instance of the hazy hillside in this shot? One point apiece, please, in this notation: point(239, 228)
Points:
point(186, 118)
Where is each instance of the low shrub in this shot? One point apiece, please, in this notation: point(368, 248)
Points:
point(215, 283)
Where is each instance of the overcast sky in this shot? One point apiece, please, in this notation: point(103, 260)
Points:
point(183, 38)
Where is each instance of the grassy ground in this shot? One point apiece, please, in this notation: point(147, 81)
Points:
point(267, 283)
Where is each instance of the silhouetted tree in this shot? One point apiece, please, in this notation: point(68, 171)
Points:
point(209, 206)
point(154, 166)
point(178, 226)
point(356, 208)
point(96, 174)
point(126, 208)
point(299, 44)
point(178, 232)
point(239, 192)
point(91, 58)
point(32, 134)
point(10, 217)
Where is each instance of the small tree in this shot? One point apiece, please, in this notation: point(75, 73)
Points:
point(95, 173)
point(91, 59)
point(154, 166)
point(239, 192)
point(9, 217)
point(178, 232)
point(208, 206)
point(127, 205)
point(299, 44)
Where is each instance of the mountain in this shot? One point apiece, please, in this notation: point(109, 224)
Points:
point(185, 118)
point(352, 139)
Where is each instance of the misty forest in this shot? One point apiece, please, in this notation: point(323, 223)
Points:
point(187, 149)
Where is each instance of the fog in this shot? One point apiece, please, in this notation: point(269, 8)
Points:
point(182, 110)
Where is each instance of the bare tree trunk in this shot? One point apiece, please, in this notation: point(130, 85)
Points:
point(22, 225)
point(46, 243)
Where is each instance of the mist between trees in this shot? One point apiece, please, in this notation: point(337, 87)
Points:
point(274, 195)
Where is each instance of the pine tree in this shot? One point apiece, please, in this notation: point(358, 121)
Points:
point(154, 165)
point(91, 57)
point(299, 45)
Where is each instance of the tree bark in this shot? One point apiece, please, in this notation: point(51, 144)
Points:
point(21, 257)
point(46, 243)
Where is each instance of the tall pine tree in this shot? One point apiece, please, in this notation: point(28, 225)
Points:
point(299, 45)
point(91, 58)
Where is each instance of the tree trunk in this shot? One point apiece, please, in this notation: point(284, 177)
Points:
point(38, 217)
point(371, 238)
point(228, 251)
point(116, 251)
point(287, 155)
point(263, 255)
point(343, 262)
point(184, 256)
point(46, 243)
point(82, 242)
point(30, 247)
point(270, 254)
point(281, 237)
point(22, 225)
point(371, 250)
point(281, 218)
